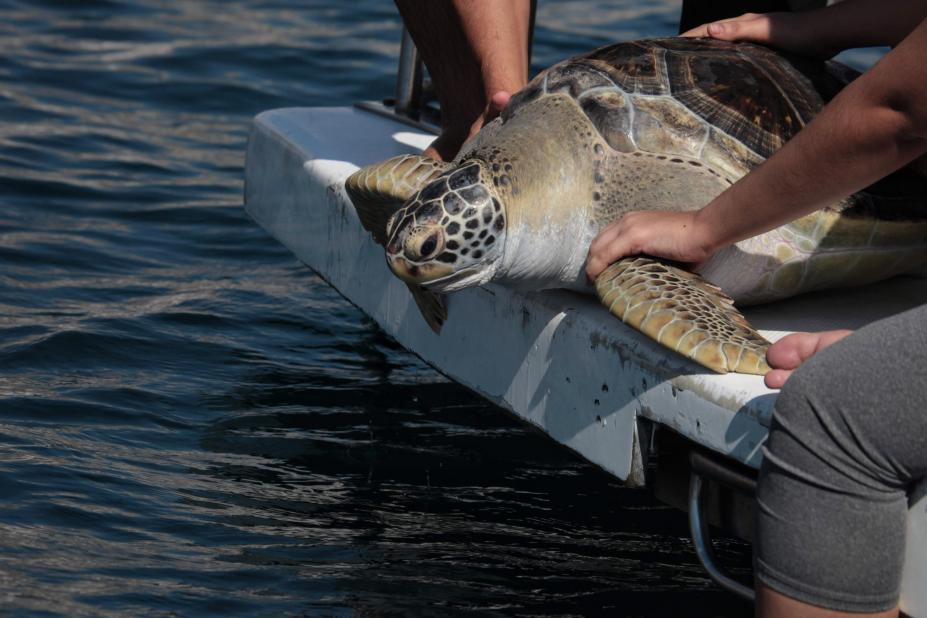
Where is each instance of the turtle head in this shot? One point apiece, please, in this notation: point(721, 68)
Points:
point(451, 234)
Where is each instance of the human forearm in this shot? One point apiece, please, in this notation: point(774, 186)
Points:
point(875, 126)
point(497, 33)
point(473, 49)
point(864, 23)
point(825, 32)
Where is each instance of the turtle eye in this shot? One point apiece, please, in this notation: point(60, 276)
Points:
point(428, 247)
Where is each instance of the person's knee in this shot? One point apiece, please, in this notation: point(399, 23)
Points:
point(829, 388)
point(803, 394)
point(813, 433)
point(819, 485)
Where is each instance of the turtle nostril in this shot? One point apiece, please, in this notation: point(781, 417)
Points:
point(428, 247)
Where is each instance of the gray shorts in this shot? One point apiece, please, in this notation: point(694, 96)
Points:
point(847, 442)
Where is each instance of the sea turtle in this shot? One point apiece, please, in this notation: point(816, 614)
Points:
point(655, 124)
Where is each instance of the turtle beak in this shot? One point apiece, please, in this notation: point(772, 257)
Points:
point(421, 274)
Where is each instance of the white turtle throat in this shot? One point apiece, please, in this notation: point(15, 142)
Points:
point(471, 276)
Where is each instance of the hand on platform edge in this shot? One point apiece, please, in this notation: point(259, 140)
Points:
point(787, 354)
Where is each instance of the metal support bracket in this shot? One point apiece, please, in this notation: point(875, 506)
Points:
point(706, 468)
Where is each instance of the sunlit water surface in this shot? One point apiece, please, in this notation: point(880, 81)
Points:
point(191, 422)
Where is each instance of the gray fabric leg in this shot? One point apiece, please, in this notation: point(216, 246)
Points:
point(848, 439)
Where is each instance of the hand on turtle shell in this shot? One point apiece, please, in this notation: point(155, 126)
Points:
point(446, 146)
point(790, 32)
point(672, 235)
point(785, 355)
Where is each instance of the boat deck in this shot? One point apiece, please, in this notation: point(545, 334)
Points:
point(557, 359)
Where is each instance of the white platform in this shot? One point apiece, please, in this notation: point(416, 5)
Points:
point(556, 359)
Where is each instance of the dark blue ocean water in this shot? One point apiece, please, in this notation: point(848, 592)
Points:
point(191, 422)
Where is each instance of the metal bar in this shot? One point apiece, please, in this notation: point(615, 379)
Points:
point(384, 110)
point(532, 17)
point(724, 474)
point(409, 76)
point(705, 467)
point(701, 539)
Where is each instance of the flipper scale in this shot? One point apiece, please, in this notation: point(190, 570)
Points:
point(683, 312)
point(379, 190)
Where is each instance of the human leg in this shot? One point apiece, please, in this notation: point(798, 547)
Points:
point(473, 50)
point(772, 604)
point(847, 441)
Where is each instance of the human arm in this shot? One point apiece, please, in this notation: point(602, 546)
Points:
point(875, 126)
point(824, 32)
point(473, 49)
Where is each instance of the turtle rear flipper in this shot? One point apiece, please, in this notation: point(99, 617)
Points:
point(683, 312)
point(379, 190)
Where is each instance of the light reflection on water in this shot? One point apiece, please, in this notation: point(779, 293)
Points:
point(191, 422)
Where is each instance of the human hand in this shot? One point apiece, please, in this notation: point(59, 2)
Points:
point(790, 32)
point(497, 103)
point(785, 355)
point(446, 146)
point(675, 236)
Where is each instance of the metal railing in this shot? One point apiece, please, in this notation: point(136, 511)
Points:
point(706, 468)
point(409, 78)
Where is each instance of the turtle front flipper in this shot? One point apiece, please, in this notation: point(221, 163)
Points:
point(683, 312)
point(431, 305)
point(379, 190)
